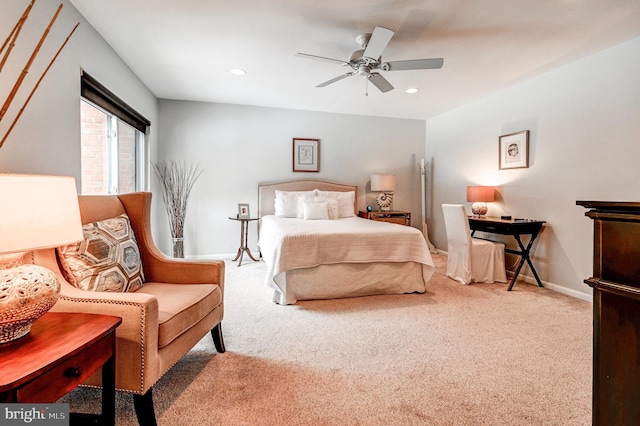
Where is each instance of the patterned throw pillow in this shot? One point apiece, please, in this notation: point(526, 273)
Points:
point(107, 260)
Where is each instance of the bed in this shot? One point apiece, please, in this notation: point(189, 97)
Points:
point(316, 247)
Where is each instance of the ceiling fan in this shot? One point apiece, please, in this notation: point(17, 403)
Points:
point(368, 60)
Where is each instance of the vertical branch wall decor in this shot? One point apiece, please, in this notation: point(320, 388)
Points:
point(8, 44)
point(14, 34)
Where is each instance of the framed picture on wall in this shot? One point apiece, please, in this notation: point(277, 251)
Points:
point(513, 150)
point(306, 155)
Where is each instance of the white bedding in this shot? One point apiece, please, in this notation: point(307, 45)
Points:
point(292, 245)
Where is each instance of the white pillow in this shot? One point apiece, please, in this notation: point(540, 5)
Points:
point(315, 211)
point(332, 207)
point(289, 203)
point(345, 201)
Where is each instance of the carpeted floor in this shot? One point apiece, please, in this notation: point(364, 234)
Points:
point(456, 355)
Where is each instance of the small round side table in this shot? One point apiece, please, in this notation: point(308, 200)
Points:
point(244, 234)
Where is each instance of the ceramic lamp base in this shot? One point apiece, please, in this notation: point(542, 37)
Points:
point(479, 209)
point(384, 200)
point(26, 293)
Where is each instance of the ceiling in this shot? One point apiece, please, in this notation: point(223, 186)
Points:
point(185, 49)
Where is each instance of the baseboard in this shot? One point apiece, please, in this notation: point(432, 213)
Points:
point(587, 297)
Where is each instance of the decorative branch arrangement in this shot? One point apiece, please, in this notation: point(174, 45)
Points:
point(9, 43)
point(176, 180)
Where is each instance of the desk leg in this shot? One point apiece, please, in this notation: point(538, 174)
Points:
point(524, 257)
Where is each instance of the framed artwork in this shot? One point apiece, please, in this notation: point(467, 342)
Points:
point(306, 155)
point(513, 151)
point(243, 211)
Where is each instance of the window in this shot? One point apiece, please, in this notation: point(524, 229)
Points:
point(113, 137)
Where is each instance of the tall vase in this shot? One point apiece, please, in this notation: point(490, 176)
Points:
point(178, 247)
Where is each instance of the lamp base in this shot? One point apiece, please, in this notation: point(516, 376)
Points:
point(26, 293)
point(384, 200)
point(479, 208)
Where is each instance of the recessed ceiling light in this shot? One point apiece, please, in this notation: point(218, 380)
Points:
point(411, 90)
point(237, 71)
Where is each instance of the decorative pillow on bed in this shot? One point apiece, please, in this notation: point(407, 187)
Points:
point(333, 209)
point(345, 200)
point(107, 260)
point(315, 211)
point(290, 203)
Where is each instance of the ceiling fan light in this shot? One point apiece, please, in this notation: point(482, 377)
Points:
point(411, 90)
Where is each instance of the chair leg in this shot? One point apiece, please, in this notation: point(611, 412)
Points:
point(144, 409)
point(218, 341)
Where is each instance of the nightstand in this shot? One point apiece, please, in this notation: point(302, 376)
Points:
point(60, 352)
point(392, 216)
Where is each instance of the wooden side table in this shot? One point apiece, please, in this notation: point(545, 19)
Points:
point(392, 216)
point(244, 235)
point(60, 352)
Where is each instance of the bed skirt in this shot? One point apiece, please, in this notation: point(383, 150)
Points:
point(349, 280)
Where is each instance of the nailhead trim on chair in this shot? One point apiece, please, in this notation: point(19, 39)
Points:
point(143, 317)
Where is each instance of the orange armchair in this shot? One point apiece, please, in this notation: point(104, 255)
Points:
point(181, 301)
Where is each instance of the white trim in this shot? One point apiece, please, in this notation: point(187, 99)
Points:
point(587, 297)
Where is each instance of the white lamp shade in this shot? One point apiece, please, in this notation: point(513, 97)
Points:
point(38, 212)
point(383, 182)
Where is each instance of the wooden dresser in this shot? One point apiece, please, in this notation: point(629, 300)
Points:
point(616, 311)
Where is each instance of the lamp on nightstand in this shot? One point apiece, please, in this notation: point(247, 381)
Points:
point(385, 184)
point(38, 212)
point(480, 196)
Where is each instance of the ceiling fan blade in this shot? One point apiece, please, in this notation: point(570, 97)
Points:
point(333, 80)
point(380, 82)
point(414, 64)
point(378, 41)
point(306, 55)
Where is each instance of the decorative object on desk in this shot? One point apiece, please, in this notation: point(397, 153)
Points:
point(243, 211)
point(385, 184)
point(480, 196)
point(38, 212)
point(513, 150)
point(306, 155)
point(369, 208)
point(176, 180)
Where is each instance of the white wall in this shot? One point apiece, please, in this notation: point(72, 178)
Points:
point(239, 146)
point(46, 139)
point(584, 145)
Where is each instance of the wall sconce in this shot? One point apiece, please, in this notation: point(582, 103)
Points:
point(480, 196)
point(38, 212)
point(385, 184)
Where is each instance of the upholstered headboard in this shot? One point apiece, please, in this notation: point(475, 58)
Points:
point(267, 191)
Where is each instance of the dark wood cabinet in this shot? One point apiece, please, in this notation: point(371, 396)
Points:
point(616, 311)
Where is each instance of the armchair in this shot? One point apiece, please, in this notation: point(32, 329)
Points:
point(180, 302)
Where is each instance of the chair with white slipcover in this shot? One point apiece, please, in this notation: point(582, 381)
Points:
point(470, 260)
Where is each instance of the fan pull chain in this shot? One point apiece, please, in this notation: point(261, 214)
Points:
point(366, 86)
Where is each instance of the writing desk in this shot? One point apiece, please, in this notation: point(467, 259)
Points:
point(515, 228)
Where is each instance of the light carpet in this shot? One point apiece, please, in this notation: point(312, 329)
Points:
point(456, 355)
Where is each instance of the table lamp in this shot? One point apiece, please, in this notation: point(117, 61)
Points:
point(38, 212)
point(386, 184)
point(480, 196)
